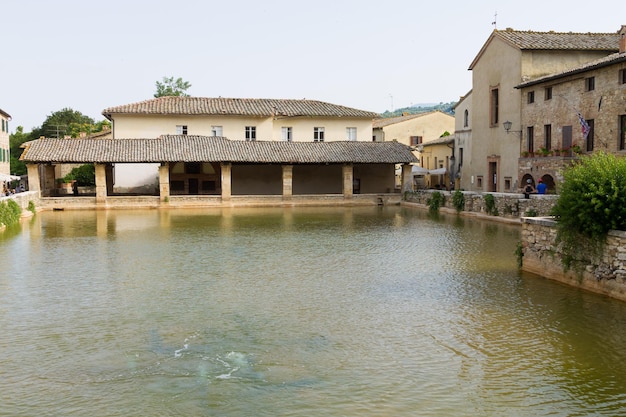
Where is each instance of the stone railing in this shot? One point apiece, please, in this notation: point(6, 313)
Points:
point(540, 255)
point(508, 205)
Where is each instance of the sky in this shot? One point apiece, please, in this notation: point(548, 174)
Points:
point(371, 55)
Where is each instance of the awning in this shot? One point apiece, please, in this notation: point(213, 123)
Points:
point(423, 171)
point(6, 177)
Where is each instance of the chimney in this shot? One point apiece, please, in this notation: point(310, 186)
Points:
point(622, 39)
point(83, 134)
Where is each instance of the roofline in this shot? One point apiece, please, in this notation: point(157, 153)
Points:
point(5, 114)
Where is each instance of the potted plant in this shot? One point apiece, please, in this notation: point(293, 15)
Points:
point(577, 150)
point(525, 154)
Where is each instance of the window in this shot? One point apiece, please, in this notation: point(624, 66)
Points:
point(318, 134)
point(286, 134)
point(466, 118)
point(547, 136)
point(622, 132)
point(479, 181)
point(460, 157)
point(531, 97)
point(547, 93)
point(351, 133)
point(622, 76)
point(530, 138)
point(590, 136)
point(181, 129)
point(590, 84)
point(250, 133)
point(495, 103)
point(416, 140)
point(3, 125)
point(216, 131)
point(507, 183)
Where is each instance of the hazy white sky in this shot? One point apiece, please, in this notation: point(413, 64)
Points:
point(372, 55)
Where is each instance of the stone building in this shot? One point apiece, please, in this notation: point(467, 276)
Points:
point(508, 58)
point(582, 108)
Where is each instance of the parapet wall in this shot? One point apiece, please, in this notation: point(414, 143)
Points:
point(508, 205)
point(543, 257)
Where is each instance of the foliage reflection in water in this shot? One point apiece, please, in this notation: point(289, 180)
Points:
point(363, 311)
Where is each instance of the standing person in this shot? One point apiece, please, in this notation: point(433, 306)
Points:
point(541, 187)
point(528, 188)
point(75, 187)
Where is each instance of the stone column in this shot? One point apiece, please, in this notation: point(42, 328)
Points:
point(287, 182)
point(226, 168)
point(101, 184)
point(406, 182)
point(348, 180)
point(164, 182)
point(48, 180)
point(33, 177)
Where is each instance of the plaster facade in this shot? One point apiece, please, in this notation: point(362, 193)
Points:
point(5, 149)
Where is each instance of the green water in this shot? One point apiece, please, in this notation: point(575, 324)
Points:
point(294, 312)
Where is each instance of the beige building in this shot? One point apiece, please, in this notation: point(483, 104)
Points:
point(462, 138)
point(551, 106)
point(413, 129)
point(5, 157)
point(508, 58)
point(437, 157)
point(232, 118)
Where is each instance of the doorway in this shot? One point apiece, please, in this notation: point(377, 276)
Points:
point(193, 186)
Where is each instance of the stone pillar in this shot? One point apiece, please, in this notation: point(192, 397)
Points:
point(33, 177)
point(226, 168)
point(287, 182)
point(48, 180)
point(164, 182)
point(101, 184)
point(407, 183)
point(348, 180)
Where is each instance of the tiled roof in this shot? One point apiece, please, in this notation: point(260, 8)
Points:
point(599, 63)
point(561, 41)
point(237, 107)
point(5, 114)
point(529, 40)
point(383, 122)
point(187, 148)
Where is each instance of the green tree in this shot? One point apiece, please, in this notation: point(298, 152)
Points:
point(15, 142)
point(171, 87)
point(64, 122)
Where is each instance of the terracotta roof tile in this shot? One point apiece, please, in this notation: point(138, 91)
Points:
point(188, 148)
point(237, 107)
point(560, 40)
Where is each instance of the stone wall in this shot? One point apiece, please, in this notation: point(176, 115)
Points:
point(508, 205)
point(541, 256)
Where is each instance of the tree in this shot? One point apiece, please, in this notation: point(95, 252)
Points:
point(64, 122)
point(15, 141)
point(171, 87)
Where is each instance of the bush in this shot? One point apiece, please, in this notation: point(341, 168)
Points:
point(591, 202)
point(458, 201)
point(84, 175)
point(10, 213)
point(435, 201)
point(490, 204)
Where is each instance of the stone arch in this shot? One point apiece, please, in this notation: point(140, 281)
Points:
point(527, 177)
point(548, 180)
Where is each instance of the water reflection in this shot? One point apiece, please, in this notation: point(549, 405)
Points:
point(308, 311)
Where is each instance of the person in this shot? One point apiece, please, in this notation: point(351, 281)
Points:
point(528, 188)
point(541, 187)
point(75, 187)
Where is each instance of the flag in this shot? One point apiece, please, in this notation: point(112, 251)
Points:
point(584, 125)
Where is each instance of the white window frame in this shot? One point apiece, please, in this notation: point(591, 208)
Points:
point(217, 131)
point(181, 129)
point(318, 134)
point(287, 133)
point(250, 133)
point(351, 133)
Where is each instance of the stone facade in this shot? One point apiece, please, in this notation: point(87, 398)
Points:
point(541, 256)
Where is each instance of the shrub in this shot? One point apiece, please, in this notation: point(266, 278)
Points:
point(31, 206)
point(490, 204)
point(84, 175)
point(531, 212)
point(10, 212)
point(458, 201)
point(435, 201)
point(591, 202)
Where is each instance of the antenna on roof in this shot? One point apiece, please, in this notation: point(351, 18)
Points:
point(495, 20)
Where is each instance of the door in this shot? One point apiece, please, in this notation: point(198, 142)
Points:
point(493, 177)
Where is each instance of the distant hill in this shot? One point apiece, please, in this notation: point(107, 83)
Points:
point(421, 108)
